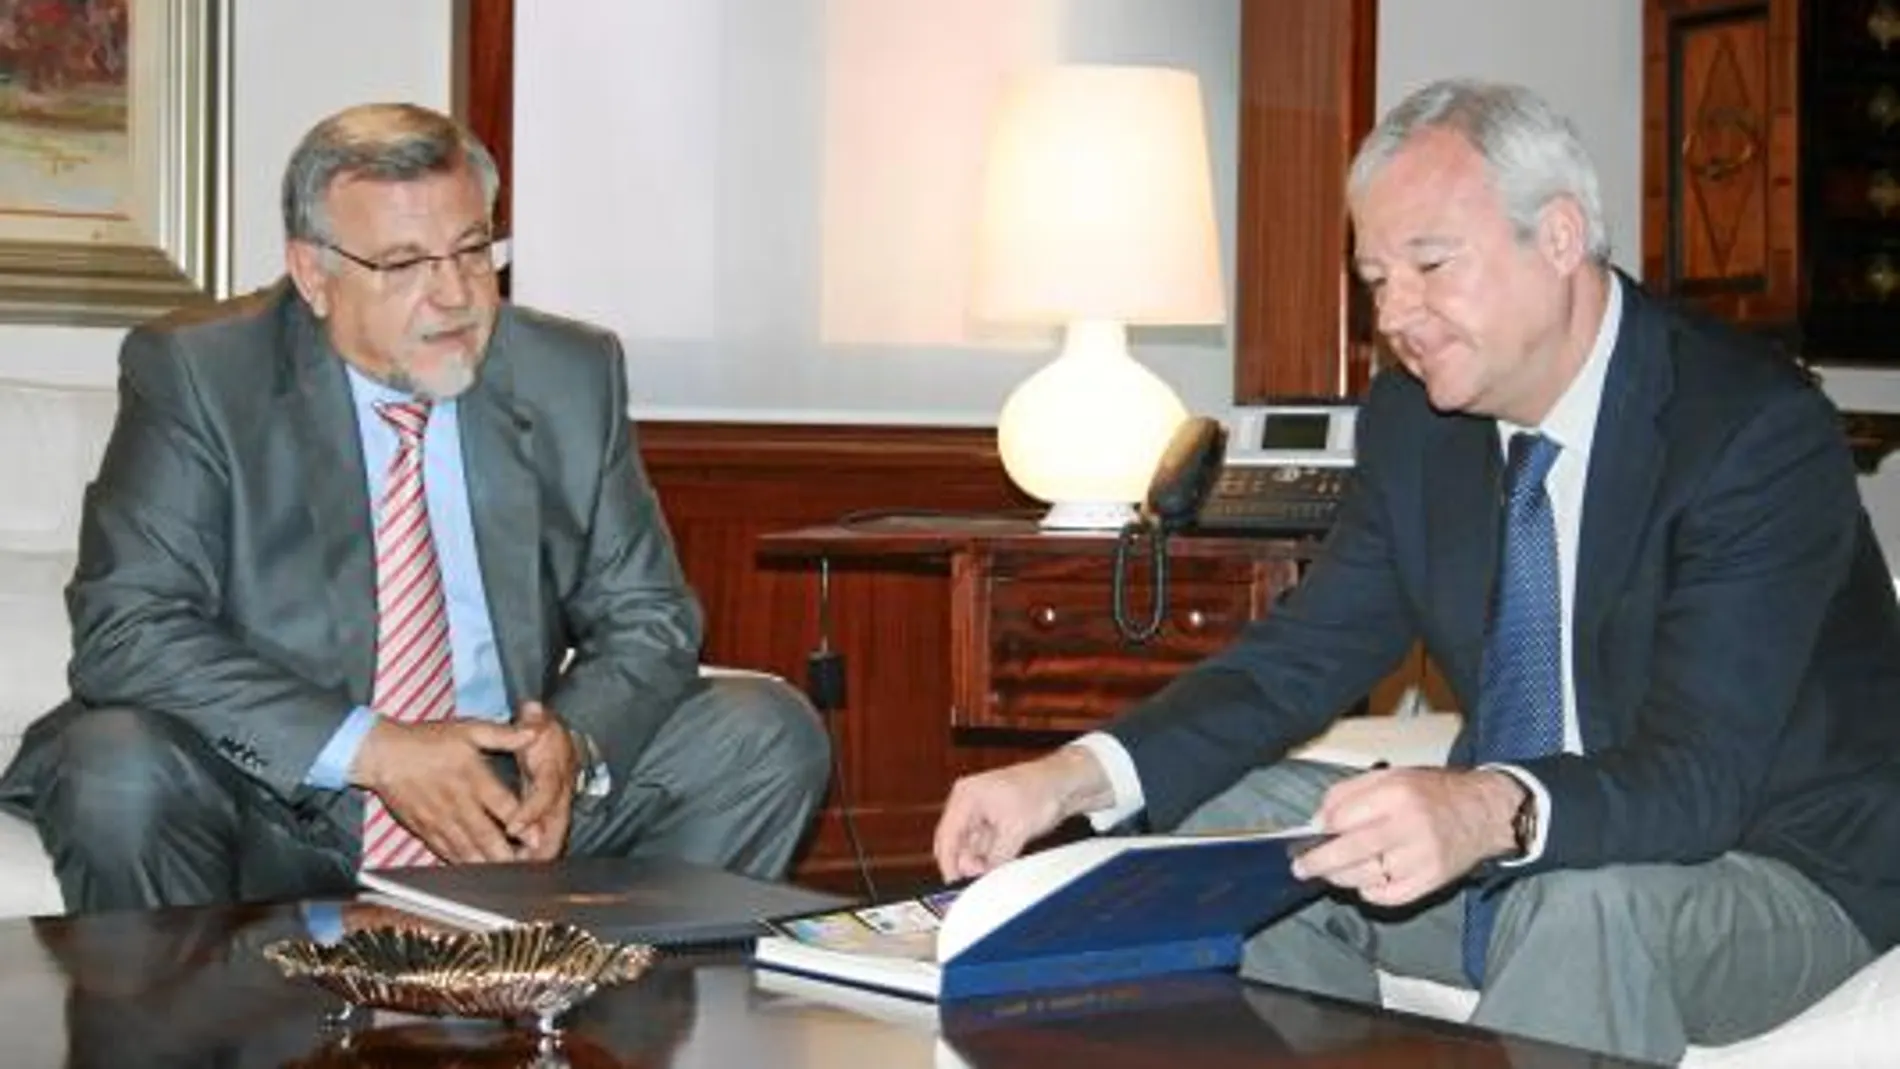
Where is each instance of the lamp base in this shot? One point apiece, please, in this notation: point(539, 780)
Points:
point(1086, 431)
point(1087, 516)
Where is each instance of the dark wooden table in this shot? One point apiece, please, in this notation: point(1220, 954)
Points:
point(188, 988)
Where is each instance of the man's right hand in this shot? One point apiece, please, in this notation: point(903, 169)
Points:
point(992, 815)
point(434, 778)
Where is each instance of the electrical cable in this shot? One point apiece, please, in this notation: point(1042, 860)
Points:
point(825, 686)
point(1131, 533)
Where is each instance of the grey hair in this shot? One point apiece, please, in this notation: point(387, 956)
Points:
point(1532, 152)
point(383, 142)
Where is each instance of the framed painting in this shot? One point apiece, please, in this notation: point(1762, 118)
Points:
point(114, 158)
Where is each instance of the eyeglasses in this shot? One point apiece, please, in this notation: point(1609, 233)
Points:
point(410, 272)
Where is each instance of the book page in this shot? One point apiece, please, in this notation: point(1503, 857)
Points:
point(1009, 889)
point(903, 929)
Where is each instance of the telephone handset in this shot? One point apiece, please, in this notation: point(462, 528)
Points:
point(1284, 472)
point(1186, 473)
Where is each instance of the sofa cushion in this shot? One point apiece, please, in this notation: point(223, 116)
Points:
point(51, 437)
point(35, 640)
point(28, 888)
point(1857, 1024)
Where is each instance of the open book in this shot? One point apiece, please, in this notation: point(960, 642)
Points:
point(1082, 913)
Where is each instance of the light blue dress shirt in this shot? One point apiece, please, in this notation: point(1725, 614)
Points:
point(479, 693)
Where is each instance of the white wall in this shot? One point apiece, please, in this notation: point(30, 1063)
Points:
point(293, 63)
point(772, 200)
point(1586, 59)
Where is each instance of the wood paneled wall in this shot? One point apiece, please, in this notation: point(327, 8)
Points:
point(1301, 325)
point(485, 87)
point(722, 486)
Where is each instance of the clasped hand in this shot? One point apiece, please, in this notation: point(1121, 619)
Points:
point(435, 778)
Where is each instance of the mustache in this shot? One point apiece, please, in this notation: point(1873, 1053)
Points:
point(450, 325)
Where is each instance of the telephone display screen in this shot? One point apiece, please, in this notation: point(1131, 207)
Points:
point(1294, 431)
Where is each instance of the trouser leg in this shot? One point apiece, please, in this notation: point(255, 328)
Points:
point(731, 779)
point(1633, 960)
point(1641, 960)
point(136, 811)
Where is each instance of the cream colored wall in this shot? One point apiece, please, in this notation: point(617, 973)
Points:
point(773, 201)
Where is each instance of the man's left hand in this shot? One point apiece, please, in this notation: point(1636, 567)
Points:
point(549, 767)
point(1400, 834)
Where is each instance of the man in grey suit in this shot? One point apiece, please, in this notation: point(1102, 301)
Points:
point(228, 729)
point(1673, 813)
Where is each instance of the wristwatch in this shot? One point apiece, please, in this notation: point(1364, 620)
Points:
point(1524, 824)
point(594, 780)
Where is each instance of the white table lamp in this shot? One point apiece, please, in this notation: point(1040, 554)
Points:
point(1098, 212)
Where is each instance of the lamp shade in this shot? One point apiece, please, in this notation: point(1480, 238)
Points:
point(1098, 202)
point(1098, 212)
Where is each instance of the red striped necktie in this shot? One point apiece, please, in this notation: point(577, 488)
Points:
point(415, 675)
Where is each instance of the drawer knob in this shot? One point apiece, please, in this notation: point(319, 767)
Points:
point(1882, 277)
point(1884, 108)
point(1884, 24)
point(1194, 620)
point(1043, 616)
point(1883, 192)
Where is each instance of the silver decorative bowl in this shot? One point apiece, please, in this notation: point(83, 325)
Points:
point(537, 971)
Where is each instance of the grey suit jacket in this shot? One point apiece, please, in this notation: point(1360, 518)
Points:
point(226, 571)
point(1736, 641)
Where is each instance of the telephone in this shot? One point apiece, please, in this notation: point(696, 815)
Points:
point(1282, 472)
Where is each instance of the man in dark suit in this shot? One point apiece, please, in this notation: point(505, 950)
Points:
point(1673, 813)
point(372, 551)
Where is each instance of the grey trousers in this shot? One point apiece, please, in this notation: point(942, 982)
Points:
point(1637, 961)
point(137, 811)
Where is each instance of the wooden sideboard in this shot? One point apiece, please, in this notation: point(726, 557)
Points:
point(1033, 643)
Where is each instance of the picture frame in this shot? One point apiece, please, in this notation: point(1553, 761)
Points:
point(114, 160)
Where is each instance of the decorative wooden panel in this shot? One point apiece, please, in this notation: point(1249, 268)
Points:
point(1721, 192)
point(725, 485)
point(1306, 99)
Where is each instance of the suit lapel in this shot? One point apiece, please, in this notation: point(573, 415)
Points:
point(504, 502)
point(1627, 456)
point(318, 408)
point(1461, 495)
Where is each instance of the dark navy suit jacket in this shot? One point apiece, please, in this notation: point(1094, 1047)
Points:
point(1737, 641)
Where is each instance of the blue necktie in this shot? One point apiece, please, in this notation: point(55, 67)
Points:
point(1521, 703)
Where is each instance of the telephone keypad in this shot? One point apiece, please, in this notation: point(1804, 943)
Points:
point(1275, 498)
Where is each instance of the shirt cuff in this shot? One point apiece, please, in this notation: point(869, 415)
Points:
point(1541, 799)
point(1122, 779)
point(331, 769)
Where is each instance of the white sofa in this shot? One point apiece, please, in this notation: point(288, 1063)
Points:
point(50, 440)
